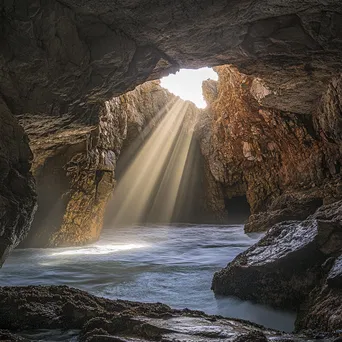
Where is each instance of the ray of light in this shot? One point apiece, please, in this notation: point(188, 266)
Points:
point(149, 187)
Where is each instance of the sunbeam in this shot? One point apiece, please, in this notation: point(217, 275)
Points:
point(148, 189)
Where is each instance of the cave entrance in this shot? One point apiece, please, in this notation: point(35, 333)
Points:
point(187, 84)
point(238, 209)
point(159, 171)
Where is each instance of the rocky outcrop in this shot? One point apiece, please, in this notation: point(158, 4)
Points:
point(17, 188)
point(28, 309)
point(76, 177)
point(278, 159)
point(296, 266)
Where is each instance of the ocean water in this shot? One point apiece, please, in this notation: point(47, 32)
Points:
point(169, 264)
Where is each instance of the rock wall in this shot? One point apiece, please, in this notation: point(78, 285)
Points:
point(289, 166)
point(279, 160)
point(18, 200)
point(76, 178)
point(61, 60)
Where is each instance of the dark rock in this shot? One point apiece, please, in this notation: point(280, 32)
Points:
point(253, 336)
point(79, 53)
point(321, 311)
point(59, 307)
point(329, 212)
point(17, 188)
point(334, 278)
point(9, 337)
point(104, 338)
point(279, 270)
point(293, 209)
point(296, 265)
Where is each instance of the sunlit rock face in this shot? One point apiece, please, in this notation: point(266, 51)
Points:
point(280, 160)
point(76, 177)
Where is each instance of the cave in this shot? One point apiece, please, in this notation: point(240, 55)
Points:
point(238, 209)
point(127, 190)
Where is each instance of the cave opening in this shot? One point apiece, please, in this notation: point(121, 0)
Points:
point(160, 168)
point(187, 84)
point(237, 208)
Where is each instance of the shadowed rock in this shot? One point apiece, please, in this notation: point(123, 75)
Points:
point(18, 200)
point(27, 310)
point(293, 267)
point(291, 208)
point(279, 270)
point(334, 278)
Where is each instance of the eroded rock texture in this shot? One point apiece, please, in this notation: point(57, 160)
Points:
point(17, 188)
point(69, 53)
point(297, 265)
point(279, 160)
point(77, 176)
point(97, 319)
point(61, 60)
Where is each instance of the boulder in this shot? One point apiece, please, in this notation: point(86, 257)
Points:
point(279, 270)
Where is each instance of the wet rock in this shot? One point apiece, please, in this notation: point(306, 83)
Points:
point(334, 278)
point(9, 337)
point(296, 265)
point(280, 270)
point(253, 336)
point(48, 307)
point(322, 310)
point(329, 212)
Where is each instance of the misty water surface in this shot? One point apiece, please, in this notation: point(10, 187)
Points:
point(169, 264)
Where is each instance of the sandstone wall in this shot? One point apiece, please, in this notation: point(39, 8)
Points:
point(266, 153)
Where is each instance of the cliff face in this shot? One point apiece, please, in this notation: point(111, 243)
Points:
point(18, 200)
point(76, 178)
point(61, 60)
point(265, 153)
